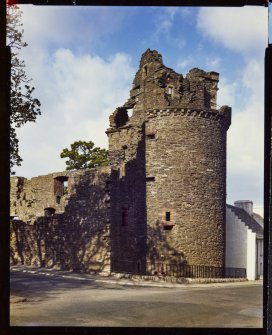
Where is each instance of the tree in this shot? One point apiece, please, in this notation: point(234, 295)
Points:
point(24, 108)
point(84, 155)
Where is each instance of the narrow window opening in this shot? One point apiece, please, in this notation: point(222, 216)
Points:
point(170, 90)
point(167, 216)
point(150, 178)
point(150, 136)
point(60, 187)
point(124, 217)
point(138, 267)
point(145, 70)
point(167, 227)
point(65, 187)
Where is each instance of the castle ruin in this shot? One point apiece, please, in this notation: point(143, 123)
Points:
point(163, 197)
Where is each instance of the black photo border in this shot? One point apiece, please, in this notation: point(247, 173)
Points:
point(5, 329)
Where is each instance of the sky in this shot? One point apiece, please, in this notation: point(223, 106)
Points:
point(83, 60)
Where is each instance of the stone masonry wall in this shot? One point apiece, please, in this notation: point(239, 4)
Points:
point(128, 205)
point(172, 174)
point(163, 197)
point(186, 187)
point(70, 232)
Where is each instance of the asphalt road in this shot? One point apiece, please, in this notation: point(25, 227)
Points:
point(52, 300)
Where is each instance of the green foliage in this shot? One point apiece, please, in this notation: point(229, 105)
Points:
point(84, 155)
point(24, 108)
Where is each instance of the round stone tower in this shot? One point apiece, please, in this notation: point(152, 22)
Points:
point(181, 143)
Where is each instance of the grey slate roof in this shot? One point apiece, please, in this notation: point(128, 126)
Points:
point(247, 219)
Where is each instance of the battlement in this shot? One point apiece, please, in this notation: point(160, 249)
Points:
point(156, 87)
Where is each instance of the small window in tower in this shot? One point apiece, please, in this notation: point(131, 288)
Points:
point(145, 70)
point(124, 217)
point(149, 178)
point(167, 216)
point(170, 90)
point(168, 227)
point(151, 136)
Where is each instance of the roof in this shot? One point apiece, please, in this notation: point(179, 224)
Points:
point(247, 219)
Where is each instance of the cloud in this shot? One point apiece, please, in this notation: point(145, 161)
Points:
point(63, 26)
point(213, 62)
point(243, 30)
point(165, 26)
point(246, 136)
point(78, 93)
point(227, 93)
point(185, 63)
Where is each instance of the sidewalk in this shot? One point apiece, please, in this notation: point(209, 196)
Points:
point(136, 280)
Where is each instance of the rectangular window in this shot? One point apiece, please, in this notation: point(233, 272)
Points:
point(145, 70)
point(60, 186)
point(150, 178)
point(150, 136)
point(170, 90)
point(168, 227)
point(167, 216)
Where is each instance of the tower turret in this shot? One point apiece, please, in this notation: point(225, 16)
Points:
point(169, 169)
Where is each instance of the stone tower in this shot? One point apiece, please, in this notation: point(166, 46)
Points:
point(167, 148)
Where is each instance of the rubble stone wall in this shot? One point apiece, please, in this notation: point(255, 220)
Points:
point(186, 187)
point(177, 184)
point(68, 233)
point(163, 197)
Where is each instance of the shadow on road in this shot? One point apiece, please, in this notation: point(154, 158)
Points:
point(46, 286)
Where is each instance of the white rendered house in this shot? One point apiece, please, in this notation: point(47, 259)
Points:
point(244, 239)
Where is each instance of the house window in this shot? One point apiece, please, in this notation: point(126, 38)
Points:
point(167, 216)
point(124, 217)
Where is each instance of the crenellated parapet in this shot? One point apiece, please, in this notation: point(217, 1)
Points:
point(223, 115)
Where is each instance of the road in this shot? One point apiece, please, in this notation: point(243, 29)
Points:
point(52, 300)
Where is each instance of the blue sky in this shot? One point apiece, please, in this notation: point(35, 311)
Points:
point(83, 60)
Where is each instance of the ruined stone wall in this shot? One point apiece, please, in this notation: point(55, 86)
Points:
point(70, 232)
point(128, 206)
point(163, 197)
point(175, 181)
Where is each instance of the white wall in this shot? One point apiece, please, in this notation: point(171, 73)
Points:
point(240, 245)
point(251, 255)
point(260, 258)
point(236, 241)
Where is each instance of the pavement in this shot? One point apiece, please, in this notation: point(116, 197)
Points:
point(133, 280)
point(45, 297)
